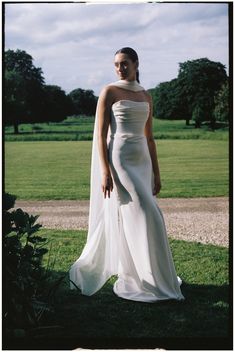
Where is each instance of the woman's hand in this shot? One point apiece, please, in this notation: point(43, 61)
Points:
point(157, 185)
point(107, 184)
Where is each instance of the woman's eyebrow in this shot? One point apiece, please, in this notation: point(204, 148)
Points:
point(121, 62)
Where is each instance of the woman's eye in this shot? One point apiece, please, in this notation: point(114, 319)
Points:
point(123, 65)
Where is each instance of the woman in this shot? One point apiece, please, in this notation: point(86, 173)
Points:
point(127, 234)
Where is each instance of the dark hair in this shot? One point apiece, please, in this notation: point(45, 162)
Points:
point(132, 55)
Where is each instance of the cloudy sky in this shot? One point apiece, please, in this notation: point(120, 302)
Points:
point(74, 43)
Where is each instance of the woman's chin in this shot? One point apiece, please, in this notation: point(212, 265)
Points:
point(123, 77)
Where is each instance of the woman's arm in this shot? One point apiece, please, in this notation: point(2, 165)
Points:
point(152, 149)
point(104, 111)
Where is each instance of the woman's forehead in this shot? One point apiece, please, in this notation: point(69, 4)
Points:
point(121, 58)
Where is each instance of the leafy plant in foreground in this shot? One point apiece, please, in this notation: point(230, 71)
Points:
point(24, 278)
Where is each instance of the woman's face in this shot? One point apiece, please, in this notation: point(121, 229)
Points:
point(125, 68)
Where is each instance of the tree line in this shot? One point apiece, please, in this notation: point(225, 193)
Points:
point(200, 92)
point(29, 100)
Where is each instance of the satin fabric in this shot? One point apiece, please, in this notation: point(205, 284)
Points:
point(126, 235)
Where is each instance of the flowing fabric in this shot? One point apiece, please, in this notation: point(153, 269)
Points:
point(126, 234)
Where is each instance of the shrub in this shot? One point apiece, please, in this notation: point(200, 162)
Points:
point(23, 274)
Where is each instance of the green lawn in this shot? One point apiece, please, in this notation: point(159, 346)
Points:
point(81, 128)
point(204, 313)
point(61, 170)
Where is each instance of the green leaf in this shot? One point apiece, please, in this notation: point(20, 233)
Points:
point(36, 239)
point(20, 218)
point(33, 229)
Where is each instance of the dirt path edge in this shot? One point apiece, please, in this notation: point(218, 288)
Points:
point(204, 220)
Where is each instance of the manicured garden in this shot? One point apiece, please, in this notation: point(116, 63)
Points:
point(52, 161)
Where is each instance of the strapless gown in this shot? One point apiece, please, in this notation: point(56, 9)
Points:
point(146, 269)
point(145, 265)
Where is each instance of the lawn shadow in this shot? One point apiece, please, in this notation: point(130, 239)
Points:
point(107, 321)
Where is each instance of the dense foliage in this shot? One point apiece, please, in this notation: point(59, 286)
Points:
point(23, 89)
point(84, 102)
point(58, 105)
point(27, 98)
point(222, 104)
point(168, 102)
point(200, 80)
point(192, 94)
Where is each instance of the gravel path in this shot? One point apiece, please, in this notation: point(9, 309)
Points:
point(204, 220)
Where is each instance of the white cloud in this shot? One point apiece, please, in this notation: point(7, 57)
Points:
point(74, 43)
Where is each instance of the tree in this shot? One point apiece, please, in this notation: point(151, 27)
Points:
point(221, 110)
point(57, 105)
point(168, 102)
point(23, 88)
point(27, 98)
point(199, 81)
point(197, 115)
point(15, 99)
point(191, 94)
point(84, 101)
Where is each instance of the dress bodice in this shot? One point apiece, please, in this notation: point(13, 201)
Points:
point(129, 117)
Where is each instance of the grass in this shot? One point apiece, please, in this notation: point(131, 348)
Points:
point(48, 170)
point(81, 128)
point(61, 170)
point(177, 129)
point(204, 313)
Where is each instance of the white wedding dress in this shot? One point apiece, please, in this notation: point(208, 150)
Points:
point(127, 235)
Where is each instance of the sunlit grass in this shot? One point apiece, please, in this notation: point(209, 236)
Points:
point(61, 170)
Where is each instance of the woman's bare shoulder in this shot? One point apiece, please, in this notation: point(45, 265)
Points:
point(108, 94)
point(108, 91)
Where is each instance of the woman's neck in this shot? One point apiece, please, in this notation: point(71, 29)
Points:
point(128, 80)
